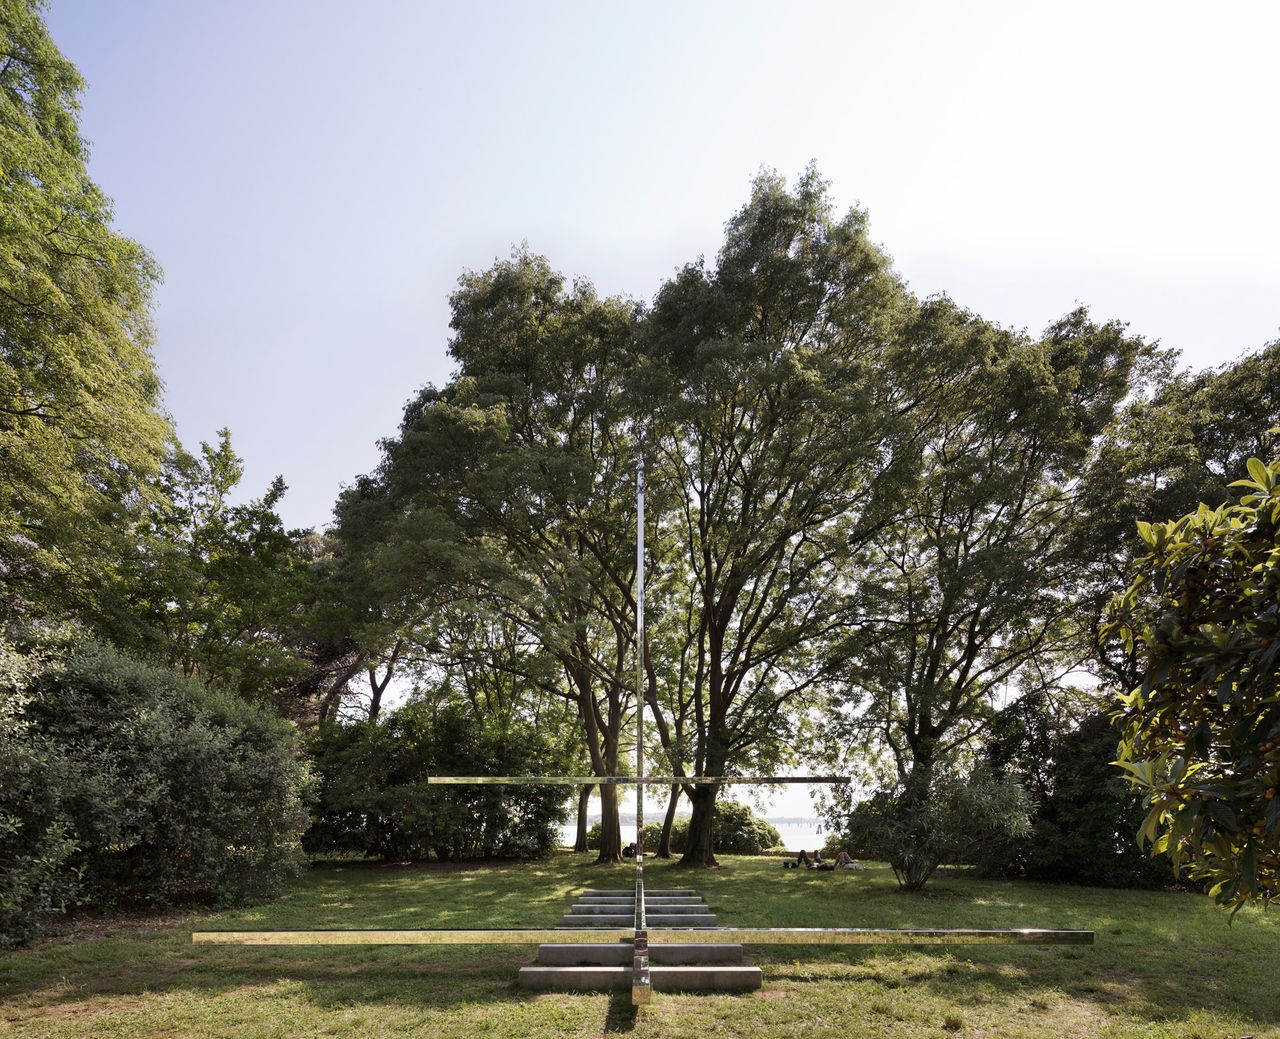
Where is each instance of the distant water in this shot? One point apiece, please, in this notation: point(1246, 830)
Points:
point(796, 834)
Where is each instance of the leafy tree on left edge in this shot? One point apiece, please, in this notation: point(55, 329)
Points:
point(80, 424)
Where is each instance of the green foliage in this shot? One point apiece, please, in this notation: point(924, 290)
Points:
point(217, 591)
point(1201, 733)
point(508, 494)
point(974, 589)
point(915, 837)
point(124, 783)
point(374, 801)
point(1085, 817)
point(777, 400)
point(37, 877)
point(79, 419)
point(737, 831)
point(1168, 453)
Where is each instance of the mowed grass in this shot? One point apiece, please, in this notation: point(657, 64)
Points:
point(1165, 964)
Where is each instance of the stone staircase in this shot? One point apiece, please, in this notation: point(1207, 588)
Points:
point(674, 966)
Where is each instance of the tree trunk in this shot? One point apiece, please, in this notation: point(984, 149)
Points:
point(584, 802)
point(610, 828)
point(920, 779)
point(700, 851)
point(664, 842)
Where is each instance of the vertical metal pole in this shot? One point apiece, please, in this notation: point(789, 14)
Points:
point(641, 984)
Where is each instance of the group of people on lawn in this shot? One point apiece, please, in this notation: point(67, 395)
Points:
point(815, 861)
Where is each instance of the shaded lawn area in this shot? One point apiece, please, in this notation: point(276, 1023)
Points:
point(1166, 964)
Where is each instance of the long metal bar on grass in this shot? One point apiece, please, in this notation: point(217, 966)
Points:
point(656, 935)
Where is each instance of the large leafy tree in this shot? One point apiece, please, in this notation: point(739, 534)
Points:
point(973, 591)
point(777, 425)
point(1201, 732)
point(508, 494)
point(79, 417)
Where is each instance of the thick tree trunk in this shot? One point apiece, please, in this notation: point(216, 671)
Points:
point(920, 778)
point(664, 842)
point(913, 864)
point(610, 830)
point(700, 851)
point(584, 802)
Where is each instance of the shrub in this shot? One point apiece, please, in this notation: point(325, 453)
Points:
point(374, 800)
point(737, 830)
point(124, 783)
point(1084, 826)
point(958, 815)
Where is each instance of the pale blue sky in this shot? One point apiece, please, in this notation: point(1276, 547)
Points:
point(314, 176)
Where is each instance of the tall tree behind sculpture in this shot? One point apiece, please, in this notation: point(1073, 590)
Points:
point(977, 584)
point(79, 417)
point(778, 427)
point(512, 487)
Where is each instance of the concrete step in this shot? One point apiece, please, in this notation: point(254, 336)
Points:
point(615, 910)
point(627, 919)
point(672, 953)
point(630, 891)
point(690, 979)
point(649, 898)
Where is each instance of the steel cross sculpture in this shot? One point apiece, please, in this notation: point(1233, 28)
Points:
point(638, 934)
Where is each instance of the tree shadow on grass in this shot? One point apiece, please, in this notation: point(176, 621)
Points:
point(450, 978)
point(1034, 976)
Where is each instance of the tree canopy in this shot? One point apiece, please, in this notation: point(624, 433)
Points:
point(80, 424)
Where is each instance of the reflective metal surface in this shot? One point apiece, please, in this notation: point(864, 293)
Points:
point(495, 936)
point(657, 935)
point(869, 936)
point(631, 780)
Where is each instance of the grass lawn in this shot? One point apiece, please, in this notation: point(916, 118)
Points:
point(1165, 964)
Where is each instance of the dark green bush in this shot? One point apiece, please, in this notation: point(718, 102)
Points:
point(374, 801)
point(1087, 815)
point(737, 830)
point(122, 783)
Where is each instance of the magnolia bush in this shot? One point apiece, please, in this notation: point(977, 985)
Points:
point(1201, 733)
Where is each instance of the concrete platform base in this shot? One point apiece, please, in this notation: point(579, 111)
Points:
point(665, 979)
point(685, 954)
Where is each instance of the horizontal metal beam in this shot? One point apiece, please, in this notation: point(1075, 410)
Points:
point(872, 936)
point(631, 780)
point(496, 936)
point(658, 935)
